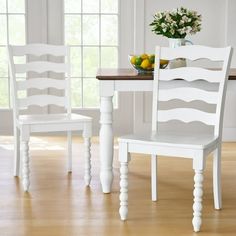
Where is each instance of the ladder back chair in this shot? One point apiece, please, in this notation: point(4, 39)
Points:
point(24, 124)
point(196, 146)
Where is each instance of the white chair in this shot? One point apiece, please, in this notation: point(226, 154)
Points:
point(182, 144)
point(24, 125)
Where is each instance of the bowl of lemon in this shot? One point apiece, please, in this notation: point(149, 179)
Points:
point(145, 63)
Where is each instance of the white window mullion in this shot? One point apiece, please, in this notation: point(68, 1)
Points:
point(8, 79)
point(82, 61)
point(99, 27)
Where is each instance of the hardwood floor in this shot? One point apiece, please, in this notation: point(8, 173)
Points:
point(59, 204)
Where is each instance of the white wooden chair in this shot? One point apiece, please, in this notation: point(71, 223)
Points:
point(182, 144)
point(24, 125)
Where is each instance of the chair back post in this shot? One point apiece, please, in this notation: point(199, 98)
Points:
point(13, 83)
point(68, 90)
point(222, 90)
point(155, 89)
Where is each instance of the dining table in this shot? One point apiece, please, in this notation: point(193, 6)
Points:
point(110, 81)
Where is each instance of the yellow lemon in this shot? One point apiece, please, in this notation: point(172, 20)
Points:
point(145, 64)
point(133, 59)
point(144, 56)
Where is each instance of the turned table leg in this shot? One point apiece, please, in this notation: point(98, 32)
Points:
point(106, 143)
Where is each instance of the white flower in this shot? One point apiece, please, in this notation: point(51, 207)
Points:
point(188, 29)
point(172, 31)
point(168, 18)
point(185, 19)
point(158, 15)
point(163, 25)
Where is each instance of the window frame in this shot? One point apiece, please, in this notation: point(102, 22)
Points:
point(99, 46)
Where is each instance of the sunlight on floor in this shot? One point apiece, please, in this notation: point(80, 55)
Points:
point(36, 143)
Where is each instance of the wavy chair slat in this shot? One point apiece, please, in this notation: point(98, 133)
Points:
point(42, 83)
point(191, 74)
point(42, 66)
point(186, 115)
point(39, 50)
point(42, 100)
point(195, 52)
point(188, 95)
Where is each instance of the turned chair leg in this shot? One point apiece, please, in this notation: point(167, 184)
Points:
point(25, 165)
point(197, 205)
point(16, 152)
point(87, 174)
point(123, 190)
point(217, 178)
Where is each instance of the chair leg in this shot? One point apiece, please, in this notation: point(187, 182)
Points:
point(197, 205)
point(87, 174)
point(25, 165)
point(154, 177)
point(217, 178)
point(16, 151)
point(123, 190)
point(69, 151)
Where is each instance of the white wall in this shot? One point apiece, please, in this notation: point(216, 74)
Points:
point(218, 29)
point(230, 27)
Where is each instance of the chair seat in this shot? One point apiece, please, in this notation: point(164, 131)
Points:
point(181, 140)
point(52, 119)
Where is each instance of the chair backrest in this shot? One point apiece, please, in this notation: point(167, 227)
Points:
point(190, 75)
point(39, 66)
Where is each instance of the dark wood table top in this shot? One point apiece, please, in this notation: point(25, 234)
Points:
point(131, 74)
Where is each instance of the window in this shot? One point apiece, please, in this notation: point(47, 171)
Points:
point(12, 31)
point(91, 29)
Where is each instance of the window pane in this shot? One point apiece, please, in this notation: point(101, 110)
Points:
point(90, 30)
point(109, 30)
point(73, 30)
point(91, 90)
point(4, 92)
point(76, 97)
point(16, 6)
point(90, 6)
point(109, 6)
point(109, 57)
point(75, 54)
point(72, 6)
point(20, 60)
point(3, 6)
point(17, 29)
point(3, 62)
point(3, 30)
point(90, 61)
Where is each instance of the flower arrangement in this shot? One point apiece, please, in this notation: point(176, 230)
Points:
point(176, 23)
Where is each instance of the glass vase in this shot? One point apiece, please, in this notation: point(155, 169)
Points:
point(174, 43)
